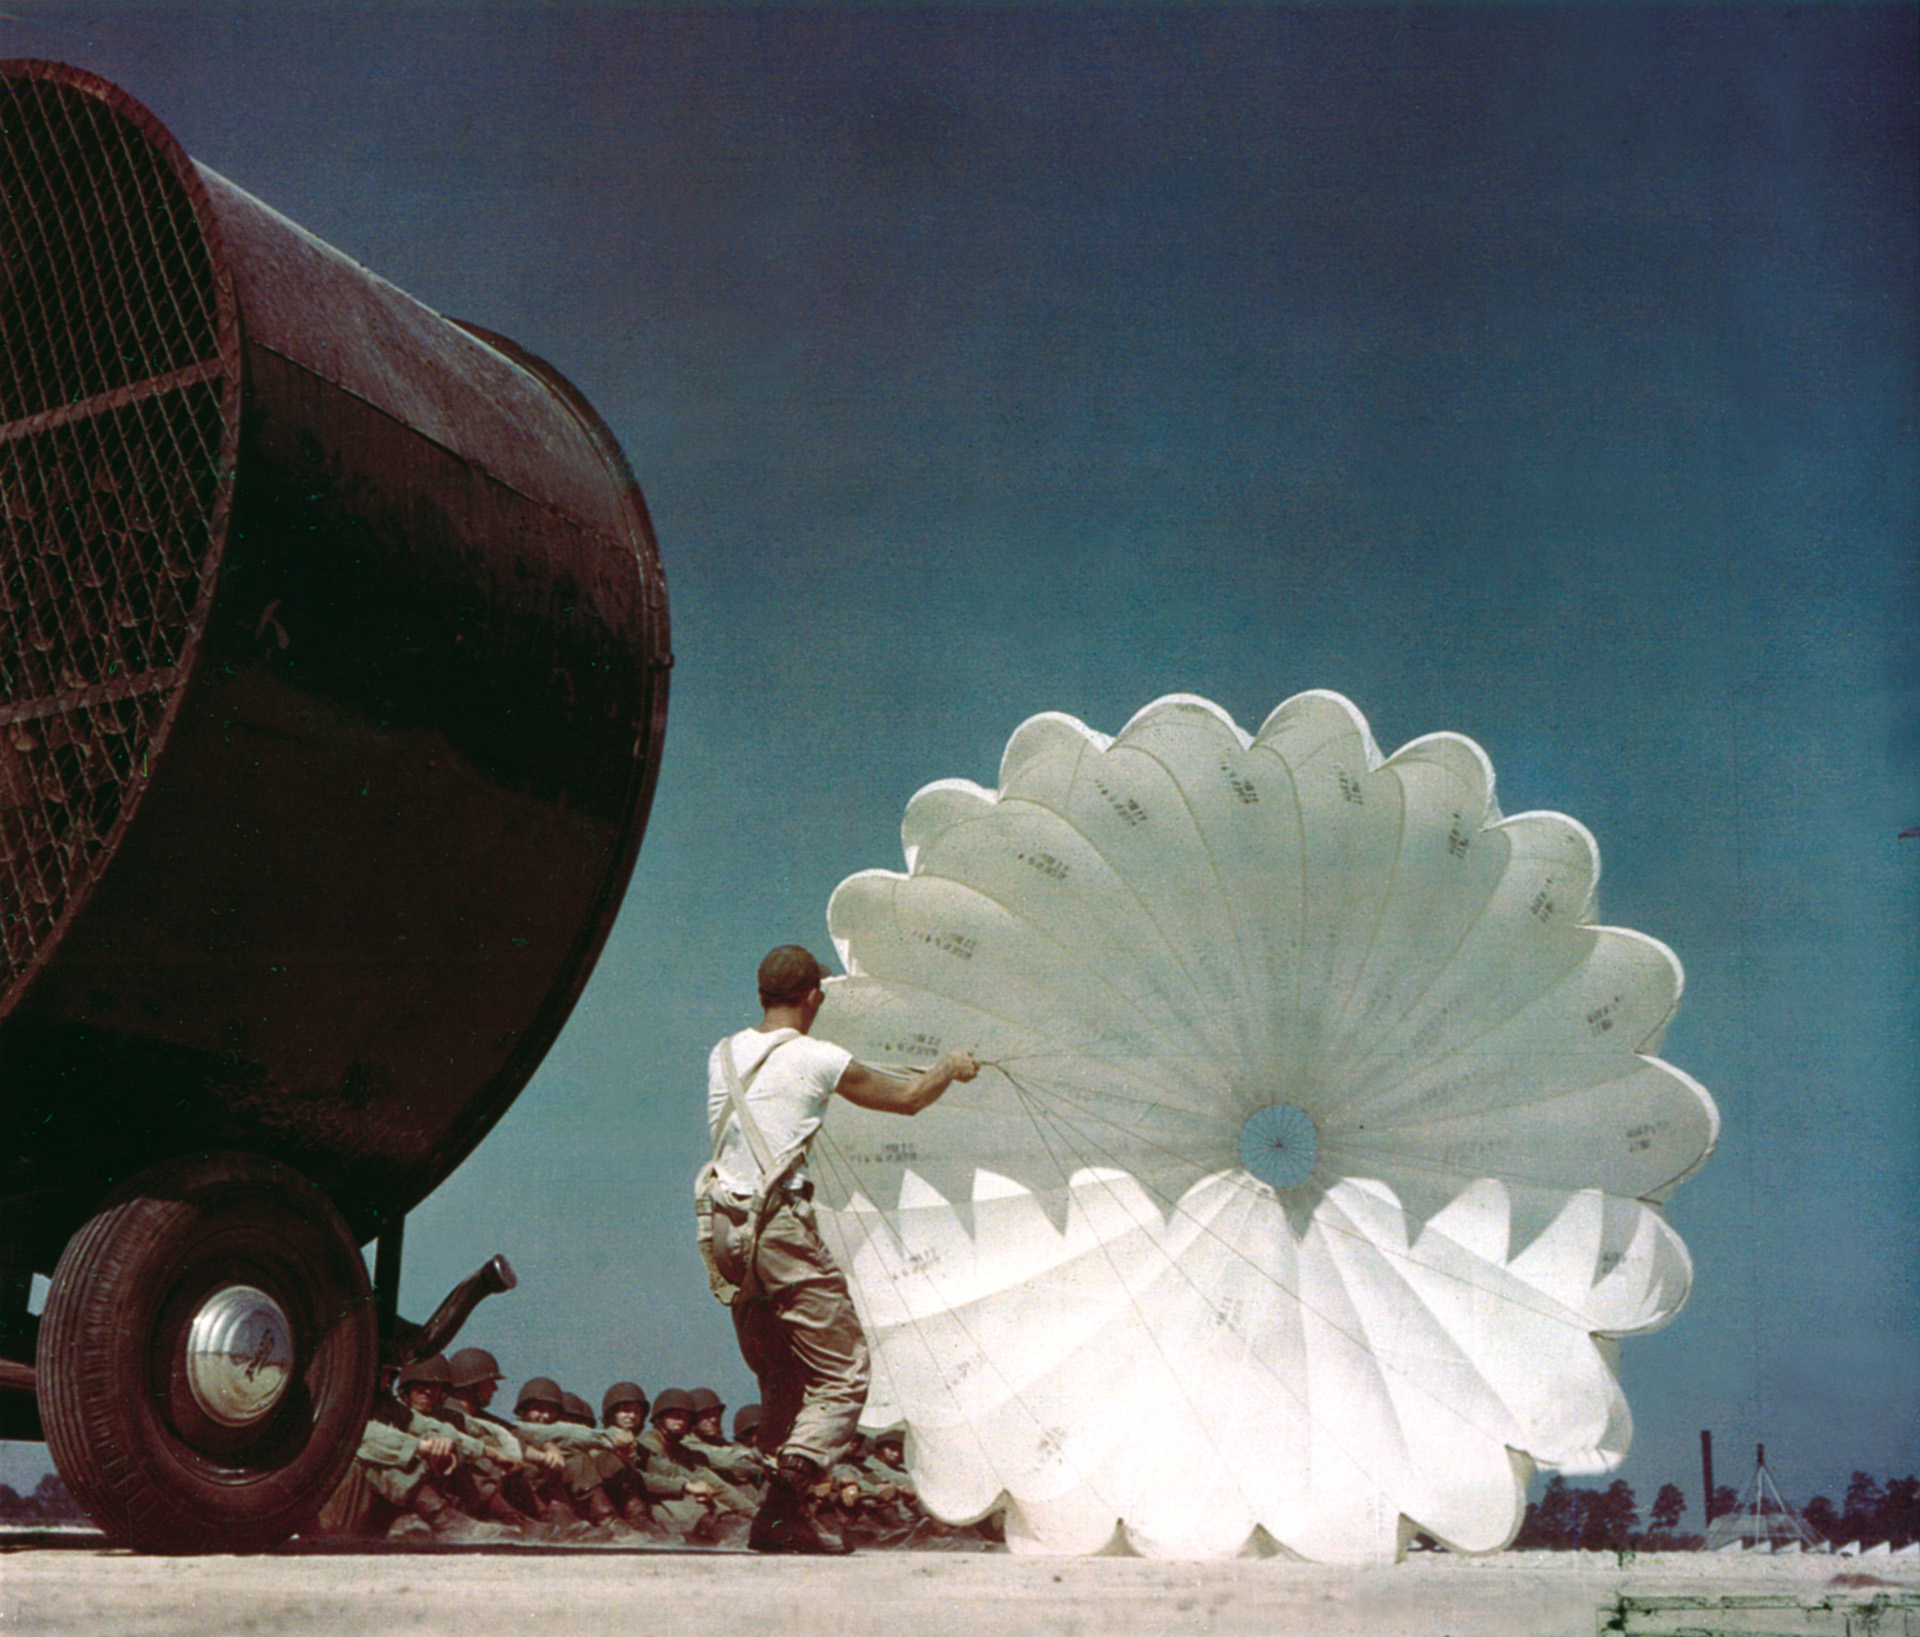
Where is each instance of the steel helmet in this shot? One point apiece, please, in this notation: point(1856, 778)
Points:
point(622, 1392)
point(674, 1398)
point(540, 1390)
point(424, 1370)
point(473, 1365)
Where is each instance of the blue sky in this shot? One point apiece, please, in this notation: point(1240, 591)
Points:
point(1544, 374)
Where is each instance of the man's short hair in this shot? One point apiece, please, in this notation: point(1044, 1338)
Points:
point(789, 974)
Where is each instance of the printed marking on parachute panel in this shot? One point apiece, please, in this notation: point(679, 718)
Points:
point(1054, 869)
point(921, 1262)
point(1051, 1445)
point(1542, 907)
point(1228, 1313)
point(886, 1153)
point(1244, 789)
point(1350, 790)
point(1126, 808)
point(902, 1048)
point(1600, 1019)
point(1642, 1137)
point(962, 1370)
point(957, 944)
point(1458, 841)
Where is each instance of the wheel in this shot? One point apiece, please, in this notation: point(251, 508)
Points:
point(207, 1356)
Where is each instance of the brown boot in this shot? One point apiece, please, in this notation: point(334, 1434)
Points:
point(433, 1508)
point(448, 1522)
point(502, 1510)
point(603, 1516)
point(786, 1521)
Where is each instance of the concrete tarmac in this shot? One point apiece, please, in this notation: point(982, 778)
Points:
point(75, 1586)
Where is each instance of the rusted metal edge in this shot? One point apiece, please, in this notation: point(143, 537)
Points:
point(154, 386)
point(229, 364)
point(94, 693)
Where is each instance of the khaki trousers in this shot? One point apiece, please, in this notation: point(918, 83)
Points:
point(799, 1334)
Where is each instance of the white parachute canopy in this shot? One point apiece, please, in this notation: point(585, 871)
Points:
point(1317, 1162)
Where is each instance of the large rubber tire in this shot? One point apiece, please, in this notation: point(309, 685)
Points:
point(151, 1469)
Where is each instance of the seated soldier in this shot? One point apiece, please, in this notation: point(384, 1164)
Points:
point(474, 1483)
point(746, 1427)
point(678, 1506)
point(476, 1380)
point(707, 1441)
point(392, 1477)
point(590, 1454)
point(889, 1509)
point(532, 1472)
point(623, 1408)
point(855, 1503)
point(396, 1475)
point(731, 1508)
point(908, 1520)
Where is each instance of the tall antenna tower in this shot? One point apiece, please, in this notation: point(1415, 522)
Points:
point(1763, 1521)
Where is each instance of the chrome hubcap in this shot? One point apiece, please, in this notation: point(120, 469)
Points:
point(239, 1355)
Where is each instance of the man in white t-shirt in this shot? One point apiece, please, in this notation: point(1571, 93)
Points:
point(794, 1318)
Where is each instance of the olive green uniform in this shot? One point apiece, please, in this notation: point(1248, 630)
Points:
point(381, 1484)
point(670, 1468)
point(733, 1464)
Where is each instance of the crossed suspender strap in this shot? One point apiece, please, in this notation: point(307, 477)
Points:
point(773, 1171)
point(737, 1100)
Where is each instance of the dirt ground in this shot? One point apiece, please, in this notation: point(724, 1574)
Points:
point(74, 1587)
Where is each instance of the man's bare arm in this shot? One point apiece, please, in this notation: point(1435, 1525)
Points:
point(870, 1089)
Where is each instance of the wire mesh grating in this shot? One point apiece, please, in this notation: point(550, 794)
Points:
point(117, 404)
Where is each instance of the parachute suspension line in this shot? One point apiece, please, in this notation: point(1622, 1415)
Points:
point(830, 1153)
point(1334, 1433)
point(1357, 1337)
point(1348, 1145)
point(1107, 1094)
point(1412, 1162)
point(831, 1164)
point(1540, 1309)
point(1323, 1222)
point(834, 1163)
point(1359, 1340)
point(1146, 1326)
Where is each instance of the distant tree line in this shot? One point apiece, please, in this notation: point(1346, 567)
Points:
point(1592, 1520)
point(49, 1503)
point(1872, 1511)
point(1568, 1518)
